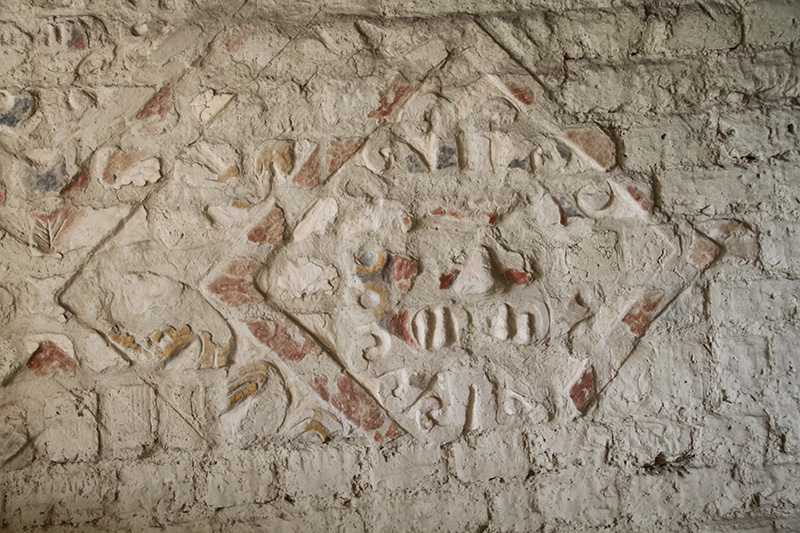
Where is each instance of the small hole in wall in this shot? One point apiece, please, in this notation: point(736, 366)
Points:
point(663, 136)
point(790, 128)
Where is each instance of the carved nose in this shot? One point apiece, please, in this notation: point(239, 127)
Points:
point(477, 276)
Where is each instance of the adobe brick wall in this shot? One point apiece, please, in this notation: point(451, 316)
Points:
point(399, 266)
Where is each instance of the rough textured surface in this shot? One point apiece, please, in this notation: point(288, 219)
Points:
point(399, 266)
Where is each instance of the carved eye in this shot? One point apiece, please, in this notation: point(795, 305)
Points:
point(374, 298)
point(594, 197)
point(370, 262)
point(370, 299)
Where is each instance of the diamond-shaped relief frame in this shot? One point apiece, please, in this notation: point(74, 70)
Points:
point(621, 324)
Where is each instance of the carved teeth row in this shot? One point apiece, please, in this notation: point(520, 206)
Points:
point(507, 324)
point(434, 329)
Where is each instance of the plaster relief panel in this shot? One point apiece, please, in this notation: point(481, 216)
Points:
point(385, 265)
point(400, 248)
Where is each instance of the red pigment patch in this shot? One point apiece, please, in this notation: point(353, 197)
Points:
point(640, 198)
point(582, 391)
point(57, 217)
point(356, 405)
point(397, 325)
point(596, 145)
point(270, 229)
point(308, 175)
point(241, 267)
point(446, 280)
point(439, 212)
point(120, 162)
point(488, 215)
point(282, 338)
point(393, 432)
point(235, 287)
point(389, 97)
point(400, 271)
point(158, 106)
point(640, 315)
point(49, 358)
point(521, 93)
point(338, 152)
point(517, 277)
point(50, 227)
point(79, 181)
point(703, 251)
point(233, 291)
point(320, 386)
point(78, 39)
